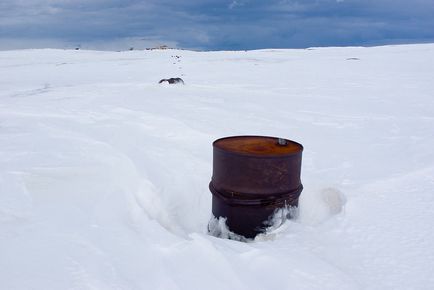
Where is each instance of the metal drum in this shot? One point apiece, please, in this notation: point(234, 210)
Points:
point(253, 176)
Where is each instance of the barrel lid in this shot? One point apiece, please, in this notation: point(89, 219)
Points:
point(258, 146)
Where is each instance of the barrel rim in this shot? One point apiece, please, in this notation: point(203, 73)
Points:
point(248, 199)
point(258, 155)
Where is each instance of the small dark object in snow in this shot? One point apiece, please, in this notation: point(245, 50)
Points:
point(172, 81)
point(353, 58)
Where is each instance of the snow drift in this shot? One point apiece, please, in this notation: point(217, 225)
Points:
point(104, 173)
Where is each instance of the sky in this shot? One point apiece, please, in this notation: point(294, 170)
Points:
point(213, 24)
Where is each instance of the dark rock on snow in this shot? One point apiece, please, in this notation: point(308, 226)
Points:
point(172, 81)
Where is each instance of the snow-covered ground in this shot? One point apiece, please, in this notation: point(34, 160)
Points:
point(104, 173)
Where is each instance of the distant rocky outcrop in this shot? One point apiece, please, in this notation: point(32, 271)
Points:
point(160, 47)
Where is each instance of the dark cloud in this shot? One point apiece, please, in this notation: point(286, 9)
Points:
point(212, 24)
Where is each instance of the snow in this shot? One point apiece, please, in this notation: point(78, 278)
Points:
point(104, 173)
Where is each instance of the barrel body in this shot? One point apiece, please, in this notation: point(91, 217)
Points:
point(253, 176)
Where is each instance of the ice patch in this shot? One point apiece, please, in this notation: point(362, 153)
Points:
point(217, 226)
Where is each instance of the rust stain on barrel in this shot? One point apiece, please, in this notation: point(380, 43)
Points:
point(252, 177)
point(257, 145)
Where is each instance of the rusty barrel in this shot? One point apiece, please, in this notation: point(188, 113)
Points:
point(253, 176)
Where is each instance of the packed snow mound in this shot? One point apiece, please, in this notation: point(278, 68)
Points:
point(104, 173)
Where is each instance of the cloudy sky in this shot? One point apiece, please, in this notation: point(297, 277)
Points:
point(213, 24)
